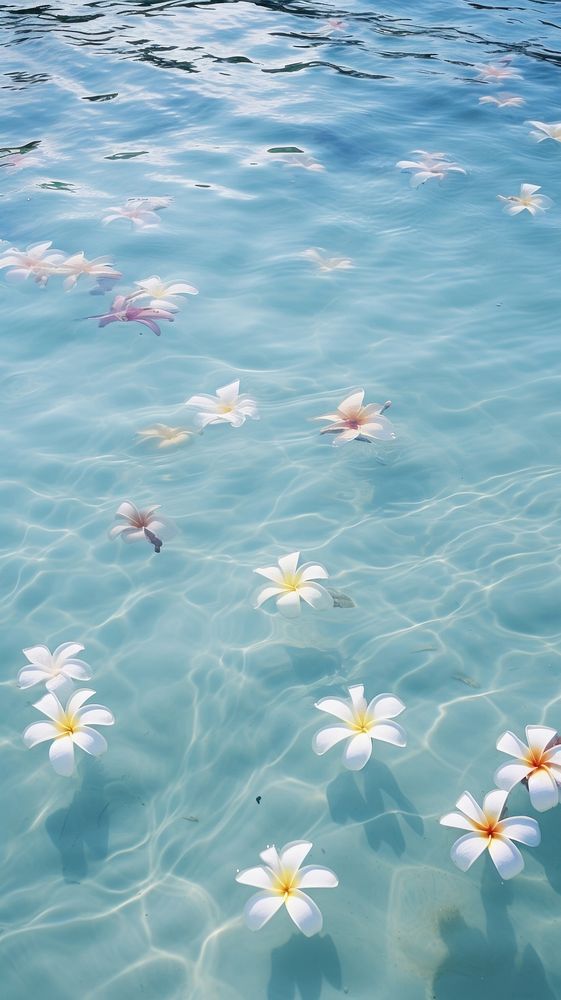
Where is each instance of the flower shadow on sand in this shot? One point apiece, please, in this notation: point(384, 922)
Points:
point(488, 965)
point(81, 831)
point(299, 968)
point(373, 797)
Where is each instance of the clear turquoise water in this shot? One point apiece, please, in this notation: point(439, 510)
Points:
point(119, 883)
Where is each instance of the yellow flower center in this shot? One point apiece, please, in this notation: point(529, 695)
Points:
point(291, 581)
point(287, 883)
point(362, 723)
point(66, 725)
point(225, 408)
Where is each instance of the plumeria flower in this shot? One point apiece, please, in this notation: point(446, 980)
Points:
point(527, 200)
point(353, 421)
point(77, 265)
point(488, 830)
point(538, 762)
point(167, 436)
point(496, 74)
point(430, 166)
point(293, 583)
point(227, 407)
point(327, 263)
point(70, 726)
point(362, 723)
point(135, 522)
point(162, 293)
point(124, 311)
point(140, 211)
point(503, 101)
point(545, 131)
point(53, 669)
point(38, 261)
point(303, 160)
point(281, 881)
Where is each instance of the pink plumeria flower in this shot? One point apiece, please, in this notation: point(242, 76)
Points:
point(135, 521)
point(545, 131)
point(493, 73)
point(281, 881)
point(291, 583)
point(53, 669)
point(69, 727)
point(526, 201)
point(38, 262)
point(352, 421)
point(487, 831)
point(142, 212)
point(503, 101)
point(124, 311)
point(228, 406)
point(162, 294)
point(538, 763)
point(431, 166)
point(361, 723)
point(77, 265)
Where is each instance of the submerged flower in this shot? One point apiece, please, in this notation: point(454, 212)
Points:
point(545, 131)
point(538, 762)
point(292, 583)
point(136, 523)
point(431, 165)
point(38, 261)
point(527, 200)
point(327, 263)
point(78, 264)
point(353, 421)
point(124, 311)
point(227, 407)
point(167, 436)
point(281, 881)
point(362, 723)
point(70, 726)
point(162, 293)
point(503, 101)
point(489, 831)
point(495, 74)
point(53, 669)
point(140, 211)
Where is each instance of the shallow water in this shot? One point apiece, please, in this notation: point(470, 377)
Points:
point(119, 883)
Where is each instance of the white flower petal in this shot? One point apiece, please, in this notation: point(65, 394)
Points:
point(467, 849)
point(543, 790)
point(313, 571)
point(305, 913)
point(508, 775)
point(61, 754)
point(389, 732)
point(271, 573)
point(128, 510)
point(351, 403)
point(77, 669)
point(316, 596)
point(39, 655)
point(467, 804)
point(260, 908)
point(229, 393)
point(91, 741)
point(181, 288)
point(267, 593)
point(506, 857)
point(203, 402)
point(294, 853)
point(358, 701)
point(343, 437)
point(95, 715)
point(288, 564)
point(271, 858)
point(457, 821)
point(314, 877)
point(28, 676)
point(539, 736)
point(379, 429)
point(259, 877)
point(66, 651)
point(522, 828)
point(385, 706)
point(289, 604)
point(78, 699)
point(38, 732)
point(357, 752)
point(337, 707)
point(509, 743)
point(494, 803)
point(50, 705)
point(325, 739)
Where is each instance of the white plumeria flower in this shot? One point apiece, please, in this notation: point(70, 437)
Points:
point(293, 583)
point(489, 831)
point(281, 881)
point(432, 166)
point(136, 212)
point(496, 74)
point(53, 669)
point(545, 131)
point(38, 261)
point(227, 407)
point(317, 255)
point(78, 264)
point(538, 762)
point(161, 293)
point(527, 200)
point(353, 421)
point(503, 101)
point(167, 436)
point(362, 723)
point(135, 521)
point(69, 726)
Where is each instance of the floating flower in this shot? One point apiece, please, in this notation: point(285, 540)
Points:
point(488, 830)
point(430, 166)
point(69, 726)
point(292, 583)
point(281, 881)
point(167, 436)
point(327, 263)
point(527, 200)
point(53, 669)
point(353, 421)
point(362, 723)
point(77, 265)
point(496, 74)
point(162, 293)
point(545, 131)
point(140, 211)
point(227, 407)
point(503, 101)
point(303, 160)
point(538, 763)
point(38, 261)
point(124, 311)
point(138, 525)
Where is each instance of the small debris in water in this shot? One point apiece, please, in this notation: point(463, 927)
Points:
point(464, 679)
point(258, 800)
